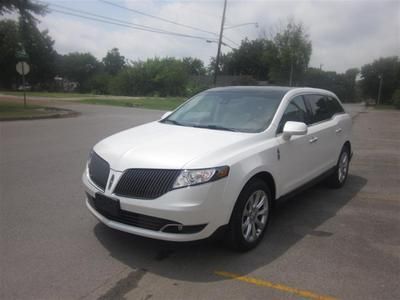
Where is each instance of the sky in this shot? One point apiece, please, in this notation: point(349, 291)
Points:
point(344, 34)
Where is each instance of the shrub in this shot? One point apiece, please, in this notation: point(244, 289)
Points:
point(396, 99)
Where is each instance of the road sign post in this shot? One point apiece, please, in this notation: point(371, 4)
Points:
point(23, 69)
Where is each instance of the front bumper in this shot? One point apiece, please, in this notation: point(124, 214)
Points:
point(199, 207)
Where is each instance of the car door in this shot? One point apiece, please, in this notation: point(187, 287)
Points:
point(322, 133)
point(339, 136)
point(294, 155)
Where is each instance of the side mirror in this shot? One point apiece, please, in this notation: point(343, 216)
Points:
point(294, 128)
point(166, 115)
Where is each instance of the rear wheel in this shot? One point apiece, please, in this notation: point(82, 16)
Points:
point(339, 176)
point(250, 216)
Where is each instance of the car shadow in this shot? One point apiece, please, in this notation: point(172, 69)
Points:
point(292, 220)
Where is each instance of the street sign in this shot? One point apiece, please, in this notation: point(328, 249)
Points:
point(22, 68)
point(21, 55)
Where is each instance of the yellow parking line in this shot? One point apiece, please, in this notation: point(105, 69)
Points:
point(276, 286)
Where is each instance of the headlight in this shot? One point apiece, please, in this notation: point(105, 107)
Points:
point(199, 176)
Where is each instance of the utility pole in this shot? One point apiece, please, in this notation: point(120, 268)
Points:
point(291, 72)
point(380, 88)
point(221, 32)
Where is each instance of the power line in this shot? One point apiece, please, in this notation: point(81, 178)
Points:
point(167, 20)
point(129, 26)
point(108, 20)
point(158, 18)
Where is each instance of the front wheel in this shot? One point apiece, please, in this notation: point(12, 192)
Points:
point(339, 176)
point(250, 216)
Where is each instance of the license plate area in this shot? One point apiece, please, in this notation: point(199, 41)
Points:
point(107, 205)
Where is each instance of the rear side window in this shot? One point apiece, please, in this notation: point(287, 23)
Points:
point(319, 108)
point(295, 111)
point(334, 106)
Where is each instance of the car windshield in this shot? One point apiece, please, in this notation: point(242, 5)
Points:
point(242, 111)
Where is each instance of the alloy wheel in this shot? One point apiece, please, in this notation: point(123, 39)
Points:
point(255, 214)
point(343, 166)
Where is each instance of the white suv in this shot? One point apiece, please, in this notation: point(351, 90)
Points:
point(218, 162)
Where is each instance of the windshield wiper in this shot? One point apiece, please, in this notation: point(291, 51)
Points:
point(173, 122)
point(216, 127)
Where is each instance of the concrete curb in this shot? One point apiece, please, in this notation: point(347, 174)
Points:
point(57, 113)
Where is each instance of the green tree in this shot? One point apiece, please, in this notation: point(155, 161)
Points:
point(8, 47)
point(350, 78)
point(113, 61)
point(41, 55)
point(291, 54)
point(38, 46)
point(282, 60)
point(154, 77)
point(396, 98)
point(343, 85)
point(225, 65)
point(251, 59)
point(26, 8)
point(194, 66)
point(100, 83)
point(79, 67)
point(389, 69)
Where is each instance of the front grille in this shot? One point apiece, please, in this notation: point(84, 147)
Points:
point(146, 183)
point(130, 218)
point(99, 170)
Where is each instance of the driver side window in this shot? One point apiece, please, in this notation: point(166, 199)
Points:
point(295, 111)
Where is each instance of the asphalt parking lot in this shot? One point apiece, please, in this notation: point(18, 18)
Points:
point(322, 244)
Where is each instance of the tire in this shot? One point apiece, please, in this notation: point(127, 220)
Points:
point(339, 176)
point(242, 237)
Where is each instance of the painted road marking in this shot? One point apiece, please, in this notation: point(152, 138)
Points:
point(276, 286)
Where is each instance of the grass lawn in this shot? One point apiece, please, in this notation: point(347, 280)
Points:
point(12, 110)
point(384, 106)
point(47, 94)
point(167, 103)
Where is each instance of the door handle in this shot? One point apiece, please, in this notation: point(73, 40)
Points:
point(339, 130)
point(313, 139)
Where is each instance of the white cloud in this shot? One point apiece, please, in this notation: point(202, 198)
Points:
point(344, 33)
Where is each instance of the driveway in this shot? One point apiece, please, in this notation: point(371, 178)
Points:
point(322, 244)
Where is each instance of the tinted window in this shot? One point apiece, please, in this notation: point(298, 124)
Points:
point(295, 111)
point(334, 106)
point(319, 108)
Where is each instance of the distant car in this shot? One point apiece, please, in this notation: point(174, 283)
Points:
point(218, 162)
point(24, 87)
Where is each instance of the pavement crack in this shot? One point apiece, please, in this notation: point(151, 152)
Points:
point(123, 286)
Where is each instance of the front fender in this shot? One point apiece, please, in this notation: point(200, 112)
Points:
point(242, 171)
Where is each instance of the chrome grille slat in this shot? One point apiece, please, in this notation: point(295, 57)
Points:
point(146, 183)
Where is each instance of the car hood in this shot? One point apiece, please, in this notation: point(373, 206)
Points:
point(167, 146)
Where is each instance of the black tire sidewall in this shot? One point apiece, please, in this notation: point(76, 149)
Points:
point(333, 180)
point(235, 225)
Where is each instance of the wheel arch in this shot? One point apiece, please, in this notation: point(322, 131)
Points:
point(347, 144)
point(268, 179)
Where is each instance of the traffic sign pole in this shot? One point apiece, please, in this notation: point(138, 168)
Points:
point(23, 69)
point(23, 84)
